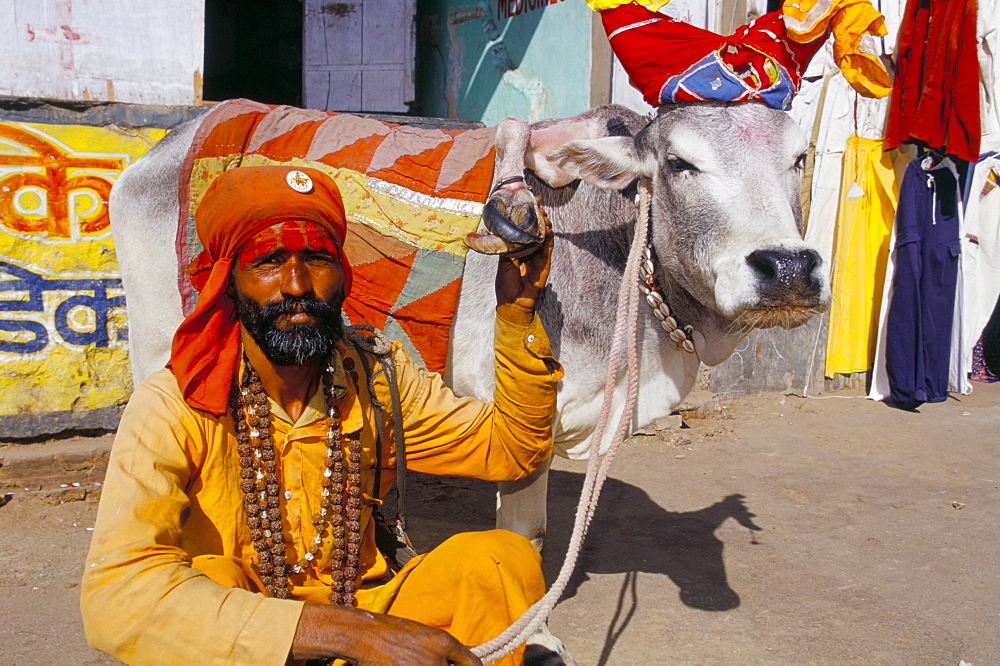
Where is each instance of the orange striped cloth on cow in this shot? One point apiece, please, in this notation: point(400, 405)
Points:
point(411, 195)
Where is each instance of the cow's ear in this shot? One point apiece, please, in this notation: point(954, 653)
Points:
point(611, 162)
point(548, 136)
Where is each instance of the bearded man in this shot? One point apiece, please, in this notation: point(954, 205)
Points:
point(236, 520)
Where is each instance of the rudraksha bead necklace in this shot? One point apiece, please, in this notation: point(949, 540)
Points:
point(262, 491)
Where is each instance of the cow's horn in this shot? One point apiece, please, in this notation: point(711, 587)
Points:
point(486, 244)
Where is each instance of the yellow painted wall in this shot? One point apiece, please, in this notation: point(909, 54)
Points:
point(63, 327)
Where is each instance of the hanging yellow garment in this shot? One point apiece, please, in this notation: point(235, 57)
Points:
point(869, 190)
point(854, 24)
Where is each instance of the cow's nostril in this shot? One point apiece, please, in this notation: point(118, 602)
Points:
point(763, 262)
point(811, 261)
point(806, 262)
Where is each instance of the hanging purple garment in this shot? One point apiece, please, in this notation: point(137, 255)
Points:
point(919, 322)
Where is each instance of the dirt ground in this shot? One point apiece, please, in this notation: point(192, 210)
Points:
point(771, 529)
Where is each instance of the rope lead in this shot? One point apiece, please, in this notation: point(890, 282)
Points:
point(626, 325)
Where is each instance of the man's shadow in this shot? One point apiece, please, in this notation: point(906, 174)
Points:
point(629, 532)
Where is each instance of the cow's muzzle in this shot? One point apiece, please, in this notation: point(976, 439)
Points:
point(786, 278)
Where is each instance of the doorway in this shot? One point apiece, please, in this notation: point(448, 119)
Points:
point(253, 50)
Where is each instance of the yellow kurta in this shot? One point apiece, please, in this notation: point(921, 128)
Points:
point(172, 494)
point(869, 191)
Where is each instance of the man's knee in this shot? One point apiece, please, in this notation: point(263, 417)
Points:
point(501, 546)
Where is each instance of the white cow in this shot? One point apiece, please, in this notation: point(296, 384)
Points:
point(726, 234)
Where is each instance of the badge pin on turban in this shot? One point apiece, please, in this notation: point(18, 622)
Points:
point(237, 206)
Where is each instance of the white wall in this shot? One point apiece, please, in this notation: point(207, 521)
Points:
point(143, 51)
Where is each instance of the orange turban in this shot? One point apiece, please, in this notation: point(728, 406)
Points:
point(239, 204)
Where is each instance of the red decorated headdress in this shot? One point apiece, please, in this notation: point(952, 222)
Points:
point(672, 61)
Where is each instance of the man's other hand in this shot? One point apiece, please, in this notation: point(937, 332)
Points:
point(373, 639)
point(520, 281)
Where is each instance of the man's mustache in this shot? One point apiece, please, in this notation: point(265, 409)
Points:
point(290, 305)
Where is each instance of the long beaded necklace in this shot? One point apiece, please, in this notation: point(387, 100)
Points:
point(262, 492)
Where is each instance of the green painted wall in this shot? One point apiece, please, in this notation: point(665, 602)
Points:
point(488, 59)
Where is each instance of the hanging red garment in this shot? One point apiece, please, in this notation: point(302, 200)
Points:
point(935, 96)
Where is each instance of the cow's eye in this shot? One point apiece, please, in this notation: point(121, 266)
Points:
point(800, 161)
point(677, 165)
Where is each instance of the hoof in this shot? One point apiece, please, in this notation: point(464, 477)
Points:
point(507, 238)
point(544, 649)
point(539, 655)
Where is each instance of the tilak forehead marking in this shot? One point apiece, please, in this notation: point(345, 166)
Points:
point(293, 235)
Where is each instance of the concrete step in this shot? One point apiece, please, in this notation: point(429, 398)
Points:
point(57, 470)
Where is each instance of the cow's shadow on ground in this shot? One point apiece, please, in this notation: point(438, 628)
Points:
point(629, 533)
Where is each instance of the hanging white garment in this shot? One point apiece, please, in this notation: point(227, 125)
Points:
point(958, 381)
point(844, 113)
point(879, 377)
point(980, 259)
point(988, 36)
point(836, 124)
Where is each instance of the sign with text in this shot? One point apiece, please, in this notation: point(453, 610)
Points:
point(509, 8)
point(63, 325)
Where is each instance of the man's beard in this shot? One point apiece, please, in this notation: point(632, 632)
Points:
point(294, 343)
